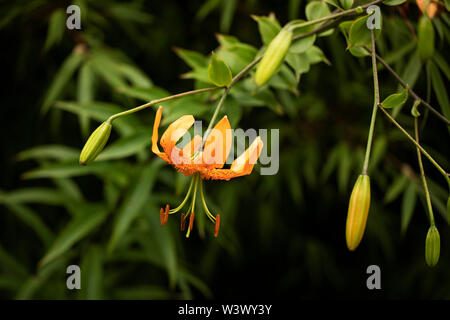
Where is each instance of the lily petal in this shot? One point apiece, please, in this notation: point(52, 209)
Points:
point(173, 133)
point(155, 148)
point(218, 144)
point(242, 166)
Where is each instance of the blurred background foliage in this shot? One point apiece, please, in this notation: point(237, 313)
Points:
point(282, 236)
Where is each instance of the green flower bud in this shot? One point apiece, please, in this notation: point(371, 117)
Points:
point(273, 57)
point(432, 246)
point(358, 211)
point(425, 38)
point(95, 143)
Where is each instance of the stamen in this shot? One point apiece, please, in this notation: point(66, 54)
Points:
point(205, 207)
point(191, 221)
point(183, 222)
point(161, 216)
point(217, 226)
point(166, 214)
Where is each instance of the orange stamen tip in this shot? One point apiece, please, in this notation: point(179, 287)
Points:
point(183, 222)
point(217, 226)
point(191, 221)
point(166, 213)
point(161, 216)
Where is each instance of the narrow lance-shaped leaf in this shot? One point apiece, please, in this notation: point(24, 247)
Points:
point(61, 79)
point(80, 226)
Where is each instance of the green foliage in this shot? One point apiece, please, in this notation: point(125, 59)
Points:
point(105, 216)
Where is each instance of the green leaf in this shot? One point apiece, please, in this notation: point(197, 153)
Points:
point(85, 94)
point(218, 72)
point(51, 151)
point(439, 89)
point(41, 195)
point(347, 4)
point(442, 64)
point(56, 28)
point(135, 75)
point(315, 10)
point(134, 202)
point(395, 100)
point(193, 59)
point(359, 34)
point(92, 274)
point(111, 171)
point(32, 220)
point(301, 45)
point(61, 79)
point(228, 8)
point(268, 27)
point(393, 2)
point(396, 188)
point(408, 204)
point(334, 3)
point(126, 146)
point(79, 227)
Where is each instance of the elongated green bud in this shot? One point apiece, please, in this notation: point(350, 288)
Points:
point(425, 38)
point(432, 246)
point(273, 57)
point(358, 211)
point(95, 143)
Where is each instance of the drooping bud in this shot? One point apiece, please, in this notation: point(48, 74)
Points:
point(95, 143)
point(217, 225)
point(432, 246)
point(425, 38)
point(273, 57)
point(358, 211)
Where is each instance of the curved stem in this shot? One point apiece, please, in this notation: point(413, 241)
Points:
point(153, 102)
point(375, 104)
point(422, 173)
point(424, 152)
point(411, 92)
point(331, 16)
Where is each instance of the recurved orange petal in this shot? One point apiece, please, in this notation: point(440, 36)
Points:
point(155, 147)
point(218, 144)
point(173, 133)
point(242, 166)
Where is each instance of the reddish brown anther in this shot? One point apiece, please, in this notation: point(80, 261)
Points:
point(183, 222)
point(191, 221)
point(217, 226)
point(161, 216)
point(166, 213)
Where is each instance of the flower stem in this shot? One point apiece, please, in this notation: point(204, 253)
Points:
point(294, 25)
point(411, 91)
point(422, 174)
point(153, 102)
point(375, 104)
point(424, 152)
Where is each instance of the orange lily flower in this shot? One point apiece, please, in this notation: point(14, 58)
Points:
point(201, 164)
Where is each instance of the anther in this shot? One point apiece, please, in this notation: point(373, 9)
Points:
point(183, 222)
point(166, 214)
point(217, 226)
point(161, 216)
point(191, 221)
